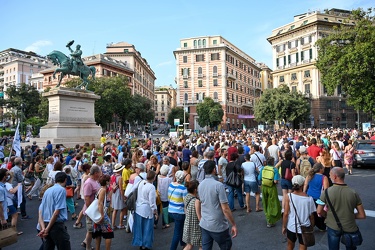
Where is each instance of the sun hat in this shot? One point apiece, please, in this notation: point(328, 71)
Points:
point(299, 180)
point(118, 167)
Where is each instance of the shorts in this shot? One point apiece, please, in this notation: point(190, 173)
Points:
point(293, 237)
point(286, 184)
point(251, 186)
point(12, 210)
point(89, 225)
point(108, 235)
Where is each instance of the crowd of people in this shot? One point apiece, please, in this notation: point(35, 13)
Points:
point(187, 181)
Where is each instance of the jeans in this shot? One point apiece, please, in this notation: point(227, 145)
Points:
point(334, 237)
point(223, 239)
point(231, 197)
point(179, 220)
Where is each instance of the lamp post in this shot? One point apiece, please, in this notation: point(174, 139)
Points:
point(21, 130)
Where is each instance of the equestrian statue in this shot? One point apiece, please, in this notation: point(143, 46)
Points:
point(71, 66)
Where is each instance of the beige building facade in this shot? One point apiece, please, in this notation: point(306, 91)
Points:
point(143, 80)
point(211, 66)
point(266, 78)
point(164, 102)
point(294, 55)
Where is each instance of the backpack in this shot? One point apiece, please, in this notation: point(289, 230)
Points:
point(192, 148)
point(201, 175)
point(131, 201)
point(112, 180)
point(304, 167)
point(267, 176)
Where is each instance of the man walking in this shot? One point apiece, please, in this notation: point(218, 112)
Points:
point(344, 200)
point(18, 178)
point(215, 211)
point(52, 215)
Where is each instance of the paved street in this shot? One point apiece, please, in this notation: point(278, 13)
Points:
point(253, 233)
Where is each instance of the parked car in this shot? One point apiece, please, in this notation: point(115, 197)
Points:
point(364, 153)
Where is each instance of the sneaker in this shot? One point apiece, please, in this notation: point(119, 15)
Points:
point(26, 217)
point(125, 217)
point(269, 225)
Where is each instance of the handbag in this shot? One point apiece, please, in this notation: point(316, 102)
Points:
point(69, 192)
point(8, 236)
point(288, 173)
point(348, 239)
point(308, 236)
point(93, 210)
point(234, 180)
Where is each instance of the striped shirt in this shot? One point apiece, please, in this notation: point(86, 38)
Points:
point(176, 195)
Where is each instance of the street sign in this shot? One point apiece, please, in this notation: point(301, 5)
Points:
point(176, 122)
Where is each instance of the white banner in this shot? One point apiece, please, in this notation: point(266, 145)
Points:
point(17, 142)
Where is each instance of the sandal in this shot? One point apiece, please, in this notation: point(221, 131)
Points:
point(259, 209)
point(78, 226)
point(74, 217)
point(249, 210)
point(166, 226)
point(120, 227)
point(83, 244)
point(19, 233)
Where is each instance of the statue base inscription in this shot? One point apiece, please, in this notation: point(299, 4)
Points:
point(71, 118)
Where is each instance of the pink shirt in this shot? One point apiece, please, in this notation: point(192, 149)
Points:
point(90, 188)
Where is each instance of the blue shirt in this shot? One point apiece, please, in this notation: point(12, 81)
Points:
point(3, 199)
point(176, 195)
point(54, 199)
point(49, 147)
point(186, 153)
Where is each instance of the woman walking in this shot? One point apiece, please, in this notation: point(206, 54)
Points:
point(348, 156)
point(145, 213)
point(118, 196)
point(192, 235)
point(299, 209)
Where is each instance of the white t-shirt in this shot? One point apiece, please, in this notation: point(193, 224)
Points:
point(254, 158)
point(10, 196)
point(305, 207)
point(249, 171)
point(273, 150)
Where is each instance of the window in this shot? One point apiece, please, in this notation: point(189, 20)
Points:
point(307, 73)
point(200, 71)
point(195, 43)
point(307, 88)
point(199, 58)
point(329, 117)
point(310, 54)
point(215, 56)
point(281, 79)
point(186, 84)
point(297, 57)
point(294, 76)
point(199, 43)
point(215, 82)
point(289, 61)
point(343, 117)
point(186, 96)
point(214, 42)
point(126, 51)
point(204, 42)
point(200, 83)
point(343, 105)
point(294, 88)
point(185, 45)
point(277, 62)
point(216, 96)
point(328, 104)
point(214, 70)
point(184, 59)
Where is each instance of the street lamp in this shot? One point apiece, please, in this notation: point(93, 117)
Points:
point(22, 107)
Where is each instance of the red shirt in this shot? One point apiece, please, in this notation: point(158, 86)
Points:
point(314, 151)
point(231, 150)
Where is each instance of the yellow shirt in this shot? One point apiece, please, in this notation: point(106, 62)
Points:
point(125, 177)
point(103, 140)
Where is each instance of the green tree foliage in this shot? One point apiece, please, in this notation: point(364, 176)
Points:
point(210, 113)
point(347, 58)
point(282, 104)
point(177, 113)
point(140, 110)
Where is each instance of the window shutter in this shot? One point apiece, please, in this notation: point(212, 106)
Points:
point(182, 72)
point(277, 62)
point(284, 60)
point(289, 45)
point(288, 59)
point(310, 52)
point(188, 72)
point(297, 57)
point(296, 43)
point(302, 42)
point(301, 55)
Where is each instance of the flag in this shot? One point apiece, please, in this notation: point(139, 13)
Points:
point(17, 142)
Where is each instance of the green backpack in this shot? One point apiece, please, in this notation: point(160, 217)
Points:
point(267, 176)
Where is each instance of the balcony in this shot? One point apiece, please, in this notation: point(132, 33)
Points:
point(281, 67)
point(215, 74)
point(231, 76)
point(200, 75)
point(185, 76)
point(248, 104)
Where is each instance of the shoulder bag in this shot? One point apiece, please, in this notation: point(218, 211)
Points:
point(131, 200)
point(308, 236)
point(350, 240)
point(93, 210)
point(288, 173)
point(257, 173)
point(234, 179)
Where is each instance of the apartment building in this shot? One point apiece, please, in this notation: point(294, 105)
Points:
point(266, 79)
point(212, 66)
point(105, 67)
point(17, 66)
point(294, 55)
point(143, 80)
point(164, 102)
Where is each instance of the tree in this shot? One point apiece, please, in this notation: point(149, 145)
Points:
point(346, 58)
point(281, 104)
point(141, 110)
point(210, 113)
point(177, 113)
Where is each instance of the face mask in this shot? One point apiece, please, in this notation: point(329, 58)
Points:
point(8, 178)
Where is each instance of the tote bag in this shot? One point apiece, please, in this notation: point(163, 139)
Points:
point(93, 210)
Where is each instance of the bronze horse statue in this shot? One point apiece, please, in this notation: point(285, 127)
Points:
point(66, 66)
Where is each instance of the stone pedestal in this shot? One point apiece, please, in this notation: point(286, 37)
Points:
point(71, 118)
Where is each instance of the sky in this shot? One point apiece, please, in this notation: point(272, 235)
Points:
point(154, 27)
